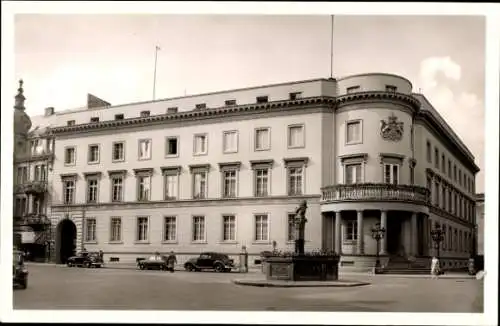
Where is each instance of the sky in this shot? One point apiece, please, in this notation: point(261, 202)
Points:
point(61, 58)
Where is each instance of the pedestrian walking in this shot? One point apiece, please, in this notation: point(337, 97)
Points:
point(171, 261)
point(435, 268)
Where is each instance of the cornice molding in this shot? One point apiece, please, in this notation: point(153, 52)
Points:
point(174, 168)
point(400, 157)
point(180, 117)
point(68, 175)
point(111, 172)
point(143, 170)
point(360, 156)
point(199, 167)
point(378, 96)
point(288, 161)
point(225, 165)
point(92, 174)
point(254, 163)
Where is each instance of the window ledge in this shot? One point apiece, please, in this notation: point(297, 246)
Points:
point(200, 154)
point(141, 242)
point(90, 242)
point(230, 152)
point(296, 146)
point(115, 242)
point(199, 242)
point(354, 142)
point(169, 242)
point(228, 242)
point(171, 155)
point(118, 161)
point(262, 149)
point(261, 242)
point(93, 163)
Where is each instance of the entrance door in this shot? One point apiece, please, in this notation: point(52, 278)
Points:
point(393, 235)
point(65, 241)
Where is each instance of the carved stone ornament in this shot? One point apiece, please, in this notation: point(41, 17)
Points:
point(392, 129)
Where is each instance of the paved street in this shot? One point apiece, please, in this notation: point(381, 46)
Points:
point(60, 287)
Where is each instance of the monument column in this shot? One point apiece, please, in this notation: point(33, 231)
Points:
point(383, 240)
point(361, 249)
point(338, 242)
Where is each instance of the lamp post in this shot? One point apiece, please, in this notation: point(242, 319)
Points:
point(437, 236)
point(377, 234)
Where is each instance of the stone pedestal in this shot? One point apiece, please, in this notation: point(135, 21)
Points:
point(302, 268)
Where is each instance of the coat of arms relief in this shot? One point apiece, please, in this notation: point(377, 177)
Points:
point(391, 129)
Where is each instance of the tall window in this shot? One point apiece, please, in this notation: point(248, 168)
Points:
point(43, 172)
point(295, 182)
point(229, 228)
point(144, 187)
point(449, 169)
point(38, 169)
point(353, 132)
point(69, 191)
point(171, 186)
point(170, 228)
point(261, 182)
point(172, 146)
point(90, 229)
point(262, 139)
point(428, 151)
point(144, 149)
point(443, 164)
point(200, 144)
point(92, 187)
point(200, 185)
point(391, 173)
point(352, 173)
point(456, 204)
point(117, 188)
point(93, 155)
point(460, 177)
point(443, 197)
point(351, 231)
point(450, 238)
point(291, 227)
point(450, 207)
point(296, 136)
point(438, 194)
point(69, 155)
point(36, 205)
point(229, 181)
point(118, 151)
point(261, 228)
point(455, 240)
point(455, 173)
point(436, 158)
point(230, 141)
point(116, 229)
point(142, 228)
point(198, 228)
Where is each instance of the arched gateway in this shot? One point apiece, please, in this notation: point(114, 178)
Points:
point(65, 240)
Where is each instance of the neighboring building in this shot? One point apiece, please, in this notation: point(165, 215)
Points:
point(221, 170)
point(33, 157)
point(480, 223)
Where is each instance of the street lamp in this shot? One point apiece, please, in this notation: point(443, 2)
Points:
point(437, 236)
point(377, 234)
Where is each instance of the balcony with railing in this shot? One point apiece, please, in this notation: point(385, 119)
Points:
point(375, 192)
point(31, 187)
point(37, 221)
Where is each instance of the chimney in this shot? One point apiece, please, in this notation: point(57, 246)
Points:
point(95, 102)
point(49, 111)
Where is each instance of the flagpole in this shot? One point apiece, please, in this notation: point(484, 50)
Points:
point(154, 80)
point(331, 50)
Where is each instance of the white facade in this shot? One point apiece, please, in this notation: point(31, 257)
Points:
point(226, 174)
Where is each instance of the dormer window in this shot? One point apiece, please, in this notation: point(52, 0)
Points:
point(230, 102)
point(201, 106)
point(295, 96)
point(352, 89)
point(390, 88)
point(119, 116)
point(173, 109)
point(94, 119)
point(71, 122)
point(262, 99)
point(145, 114)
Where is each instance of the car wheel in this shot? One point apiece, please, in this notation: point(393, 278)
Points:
point(219, 268)
point(141, 266)
point(70, 264)
point(190, 268)
point(86, 265)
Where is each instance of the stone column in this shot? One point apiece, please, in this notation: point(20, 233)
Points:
point(361, 249)
point(414, 235)
point(338, 240)
point(383, 241)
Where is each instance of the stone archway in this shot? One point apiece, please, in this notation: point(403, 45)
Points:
point(65, 241)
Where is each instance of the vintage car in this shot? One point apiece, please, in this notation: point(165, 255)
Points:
point(153, 262)
point(86, 259)
point(210, 260)
point(19, 270)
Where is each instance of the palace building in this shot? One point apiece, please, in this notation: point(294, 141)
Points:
point(218, 171)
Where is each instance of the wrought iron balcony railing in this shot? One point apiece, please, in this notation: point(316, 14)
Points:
point(31, 187)
point(34, 220)
point(375, 192)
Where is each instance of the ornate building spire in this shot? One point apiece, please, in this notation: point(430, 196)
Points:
point(20, 97)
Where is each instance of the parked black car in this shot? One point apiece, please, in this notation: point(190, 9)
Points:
point(210, 260)
point(153, 262)
point(86, 259)
point(19, 270)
